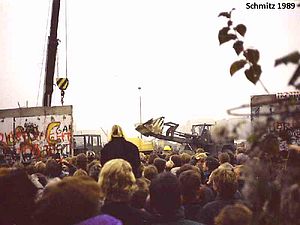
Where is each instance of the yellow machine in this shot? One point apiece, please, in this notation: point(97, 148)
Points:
point(143, 145)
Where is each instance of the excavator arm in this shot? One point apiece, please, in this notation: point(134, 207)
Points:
point(166, 131)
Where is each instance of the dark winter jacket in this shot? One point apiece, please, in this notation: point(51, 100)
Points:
point(212, 209)
point(118, 147)
point(175, 218)
point(127, 214)
point(191, 210)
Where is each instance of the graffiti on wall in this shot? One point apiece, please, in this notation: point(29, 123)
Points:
point(284, 111)
point(36, 136)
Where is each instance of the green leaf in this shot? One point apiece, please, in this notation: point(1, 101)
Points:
point(238, 47)
point(251, 74)
point(241, 29)
point(237, 65)
point(225, 14)
point(252, 55)
point(295, 76)
point(290, 58)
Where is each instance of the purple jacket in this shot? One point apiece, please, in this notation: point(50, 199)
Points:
point(101, 220)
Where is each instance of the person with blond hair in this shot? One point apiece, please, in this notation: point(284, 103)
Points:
point(234, 215)
point(119, 147)
point(225, 184)
point(117, 185)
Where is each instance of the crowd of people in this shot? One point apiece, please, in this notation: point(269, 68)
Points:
point(127, 187)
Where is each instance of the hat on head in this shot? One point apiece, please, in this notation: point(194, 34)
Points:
point(167, 148)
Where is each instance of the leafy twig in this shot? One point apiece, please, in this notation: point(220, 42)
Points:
point(251, 56)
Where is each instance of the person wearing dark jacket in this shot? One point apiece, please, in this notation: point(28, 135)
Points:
point(194, 195)
point(165, 198)
point(225, 184)
point(119, 147)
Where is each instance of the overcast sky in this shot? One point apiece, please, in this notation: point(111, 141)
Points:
point(169, 48)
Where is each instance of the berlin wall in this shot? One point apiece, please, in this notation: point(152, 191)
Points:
point(40, 131)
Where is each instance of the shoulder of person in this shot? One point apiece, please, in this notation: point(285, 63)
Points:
point(131, 144)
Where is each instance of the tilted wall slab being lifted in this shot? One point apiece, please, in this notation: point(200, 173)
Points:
point(37, 130)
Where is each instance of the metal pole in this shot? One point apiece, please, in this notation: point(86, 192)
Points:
point(140, 107)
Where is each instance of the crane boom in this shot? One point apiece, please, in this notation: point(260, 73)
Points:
point(51, 54)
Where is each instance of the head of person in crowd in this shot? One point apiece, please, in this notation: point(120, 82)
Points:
point(167, 150)
point(224, 183)
point(176, 159)
point(81, 161)
point(90, 156)
point(232, 157)
point(240, 149)
point(190, 183)
point(30, 169)
point(40, 167)
point(160, 164)
point(165, 196)
point(237, 214)
point(169, 164)
point(200, 150)
point(139, 196)
point(150, 172)
point(71, 160)
point(116, 132)
point(68, 201)
point(185, 158)
point(152, 157)
point(53, 168)
point(187, 167)
point(17, 197)
point(94, 171)
point(241, 158)
point(210, 164)
point(117, 181)
point(143, 158)
point(80, 172)
point(199, 159)
point(224, 157)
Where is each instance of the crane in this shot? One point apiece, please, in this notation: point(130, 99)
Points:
point(51, 54)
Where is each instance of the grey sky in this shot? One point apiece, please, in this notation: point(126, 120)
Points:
point(168, 47)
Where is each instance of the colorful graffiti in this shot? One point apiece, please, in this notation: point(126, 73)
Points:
point(37, 139)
